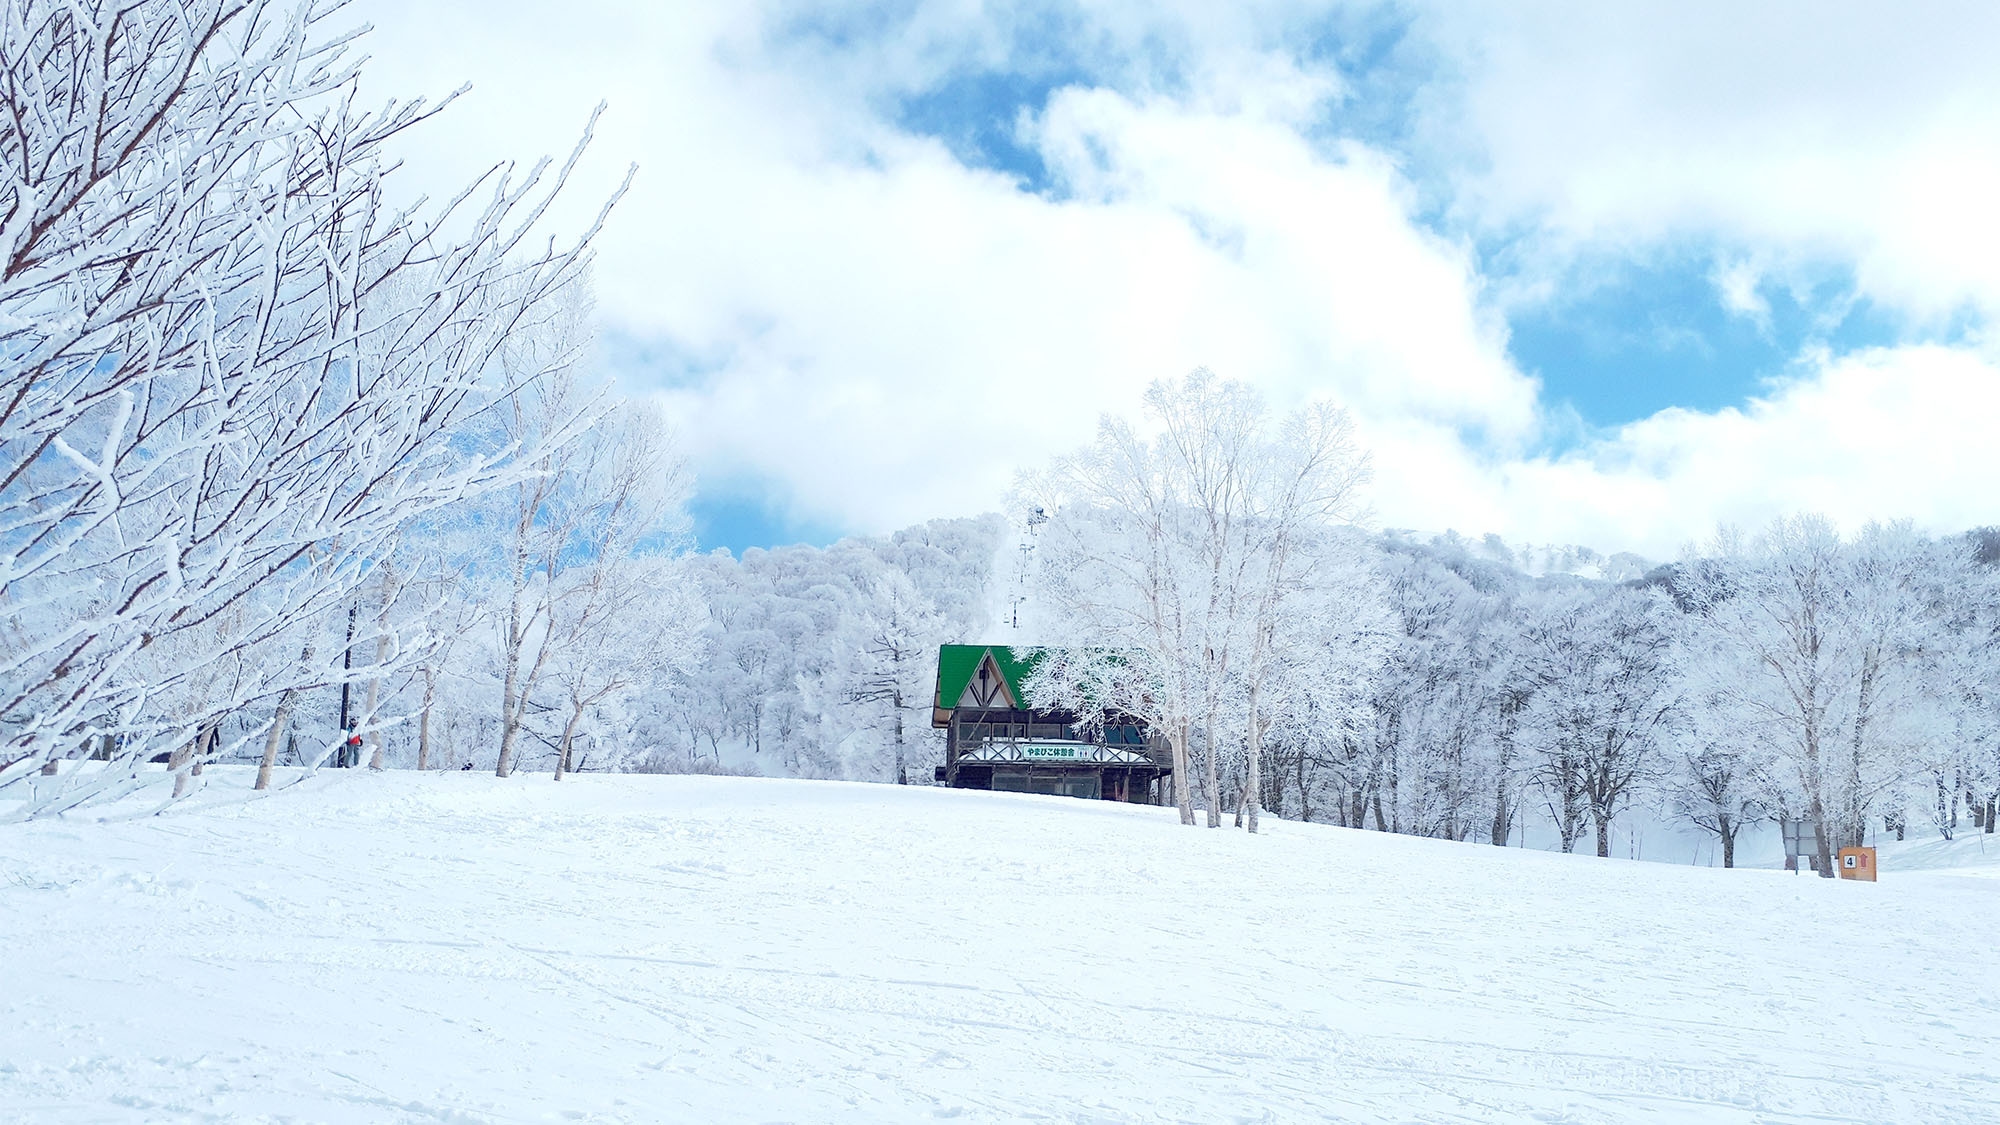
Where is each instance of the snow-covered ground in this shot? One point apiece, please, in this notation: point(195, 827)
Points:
point(407, 947)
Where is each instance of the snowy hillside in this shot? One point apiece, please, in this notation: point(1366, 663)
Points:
point(409, 947)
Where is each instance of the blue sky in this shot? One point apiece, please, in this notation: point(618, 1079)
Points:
point(1602, 274)
point(744, 517)
point(1654, 335)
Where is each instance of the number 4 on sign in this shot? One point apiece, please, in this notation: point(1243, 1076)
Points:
point(1857, 863)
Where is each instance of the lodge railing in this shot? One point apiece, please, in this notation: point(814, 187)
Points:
point(1045, 751)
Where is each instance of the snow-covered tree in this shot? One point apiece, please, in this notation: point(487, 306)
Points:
point(899, 631)
point(1959, 765)
point(1816, 646)
point(1601, 662)
point(1327, 653)
point(1718, 777)
point(1434, 755)
point(820, 661)
point(1174, 558)
point(1312, 598)
point(233, 369)
point(617, 613)
point(629, 624)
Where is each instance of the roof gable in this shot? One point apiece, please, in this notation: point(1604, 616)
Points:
point(958, 669)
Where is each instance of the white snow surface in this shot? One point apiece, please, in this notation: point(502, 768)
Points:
point(451, 947)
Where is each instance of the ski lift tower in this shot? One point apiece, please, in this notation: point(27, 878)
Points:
point(1024, 567)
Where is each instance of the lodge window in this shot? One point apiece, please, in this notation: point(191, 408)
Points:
point(1060, 784)
point(981, 732)
point(971, 734)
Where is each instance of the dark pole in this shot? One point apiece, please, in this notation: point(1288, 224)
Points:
point(346, 665)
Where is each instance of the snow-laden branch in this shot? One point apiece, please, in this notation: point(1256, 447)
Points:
point(230, 374)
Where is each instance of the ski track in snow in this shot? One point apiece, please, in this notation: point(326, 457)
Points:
point(457, 948)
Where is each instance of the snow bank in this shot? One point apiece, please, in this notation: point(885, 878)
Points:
point(453, 947)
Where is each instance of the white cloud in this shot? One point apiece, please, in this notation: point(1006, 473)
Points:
point(898, 332)
point(1882, 434)
point(1736, 283)
point(933, 327)
point(885, 334)
point(1859, 134)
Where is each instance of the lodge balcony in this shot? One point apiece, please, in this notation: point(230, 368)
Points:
point(1027, 752)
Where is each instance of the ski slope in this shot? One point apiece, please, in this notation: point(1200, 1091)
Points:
point(452, 947)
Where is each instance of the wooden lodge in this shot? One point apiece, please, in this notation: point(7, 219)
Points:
point(994, 740)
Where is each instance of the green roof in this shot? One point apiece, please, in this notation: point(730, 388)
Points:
point(957, 664)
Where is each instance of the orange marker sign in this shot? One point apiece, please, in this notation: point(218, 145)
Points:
point(1858, 863)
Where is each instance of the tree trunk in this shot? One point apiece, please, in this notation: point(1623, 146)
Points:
point(1566, 805)
point(1503, 816)
point(1728, 833)
point(568, 737)
point(1855, 830)
point(902, 768)
point(1305, 795)
point(1573, 821)
point(346, 691)
point(1395, 787)
point(1822, 843)
point(1183, 784)
point(1603, 837)
point(511, 688)
point(275, 735)
point(374, 693)
point(507, 730)
point(203, 747)
point(424, 719)
point(1254, 788)
point(186, 756)
point(515, 634)
point(1211, 784)
point(177, 765)
point(1503, 813)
